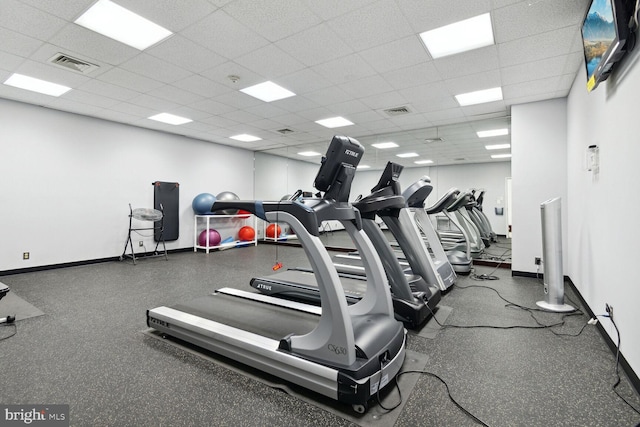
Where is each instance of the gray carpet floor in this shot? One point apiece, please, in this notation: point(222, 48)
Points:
point(89, 350)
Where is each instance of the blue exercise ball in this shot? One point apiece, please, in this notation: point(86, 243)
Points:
point(202, 203)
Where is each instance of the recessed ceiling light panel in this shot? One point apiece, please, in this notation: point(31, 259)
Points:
point(501, 156)
point(334, 122)
point(36, 85)
point(384, 145)
point(308, 153)
point(493, 132)
point(170, 119)
point(472, 33)
point(267, 91)
point(407, 155)
point(363, 167)
point(118, 23)
point(480, 96)
point(245, 137)
point(423, 162)
point(497, 146)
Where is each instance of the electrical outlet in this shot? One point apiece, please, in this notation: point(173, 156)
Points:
point(537, 261)
point(140, 243)
point(609, 309)
point(25, 255)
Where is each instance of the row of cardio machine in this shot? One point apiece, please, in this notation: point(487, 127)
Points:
point(337, 328)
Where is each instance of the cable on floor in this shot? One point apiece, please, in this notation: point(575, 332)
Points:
point(614, 388)
point(15, 330)
point(431, 374)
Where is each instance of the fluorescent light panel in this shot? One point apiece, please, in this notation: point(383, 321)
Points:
point(36, 85)
point(479, 96)
point(118, 23)
point(407, 155)
point(501, 156)
point(384, 145)
point(472, 33)
point(494, 132)
point(363, 167)
point(308, 153)
point(170, 119)
point(245, 138)
point(497, 146)
point(423, 162)
point(334, 122)
point(267, 91)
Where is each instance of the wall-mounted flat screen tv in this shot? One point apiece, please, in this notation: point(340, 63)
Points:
point(606, 36)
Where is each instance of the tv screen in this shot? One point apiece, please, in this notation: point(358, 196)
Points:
point(604, 33)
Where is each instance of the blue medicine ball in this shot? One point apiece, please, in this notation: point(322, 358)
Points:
point(202, 203)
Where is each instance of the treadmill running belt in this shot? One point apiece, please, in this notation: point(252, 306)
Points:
point(267, 320)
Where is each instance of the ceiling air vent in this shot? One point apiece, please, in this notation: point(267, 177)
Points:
point(285, 131)
point(397, 111)
point(73, 64)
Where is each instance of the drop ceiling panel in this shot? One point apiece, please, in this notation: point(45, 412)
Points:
point(270, 61)
point(532, 70)
point(427, 15)
point(413, 76)
point(9, 61)
point(46, 71)
point(328, 9)
point(108, 90)
point(22, 18)
point(202, 86)
point(397, 54)
point(18, 44)
point(92, 45)
point(346, 69)
point(154, 68)
point(537, 47)
point(474, 82)
point(475, 61)
point(68, 9)
point(185, 53)
point(224, 35)
point(179, 96)
point(129, 80)
point(281, 19)
point(314, 46)
point(171, 14)
point(361, 28)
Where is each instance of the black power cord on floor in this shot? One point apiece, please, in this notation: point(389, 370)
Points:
point(15, 330)
point(431, 374)
point(614, 388)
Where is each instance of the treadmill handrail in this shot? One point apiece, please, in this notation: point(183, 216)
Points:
point(445, 201)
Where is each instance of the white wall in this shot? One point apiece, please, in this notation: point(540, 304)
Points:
point(539, 173)
point(603, 230)
point(276, 176)
point(68, 180)
point(489, 176)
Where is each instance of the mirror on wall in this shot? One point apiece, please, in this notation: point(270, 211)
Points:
point(451, 155)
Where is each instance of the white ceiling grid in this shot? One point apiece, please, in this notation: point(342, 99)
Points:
point(351, 58)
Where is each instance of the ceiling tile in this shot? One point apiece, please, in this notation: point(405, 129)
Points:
point(93, 45)
point(201, 86)
point(427, 15)
point(328, 96)
point(532, 70)
point(483, 59)
point(314, 46)
point(220, 74)
point(384, 101)
point(270, 61)
point(23, 18)
point(366, 86)
point(171, 14)
point(185, 53)
point(9, 61)
point(281, 19)
point(51, 73)
point(304, 81)
point(536, 47)
point(130, 80)
point(345, 69)
point(412, 76)
point(328, 9)
point(527, 18)
point(154, 104)
point(371, 25)
point(177, 95)
point(68, 9)
point(474, 82)
point(154, 68)
point(18, 44)
point(397, 54)
point(108, 90)
point(224, 35)
point(212, 107)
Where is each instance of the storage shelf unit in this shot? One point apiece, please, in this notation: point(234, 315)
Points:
point(230, 224)
point(277, 238)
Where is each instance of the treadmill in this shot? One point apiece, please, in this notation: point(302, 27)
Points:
point(344, 352)
point(414, 301)
point(415, 196)
point(459, 259)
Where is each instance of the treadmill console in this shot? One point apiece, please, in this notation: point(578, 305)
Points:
point(343, 151)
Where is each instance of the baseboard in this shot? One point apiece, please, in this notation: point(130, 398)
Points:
point(633, 378)
point(79, 263)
